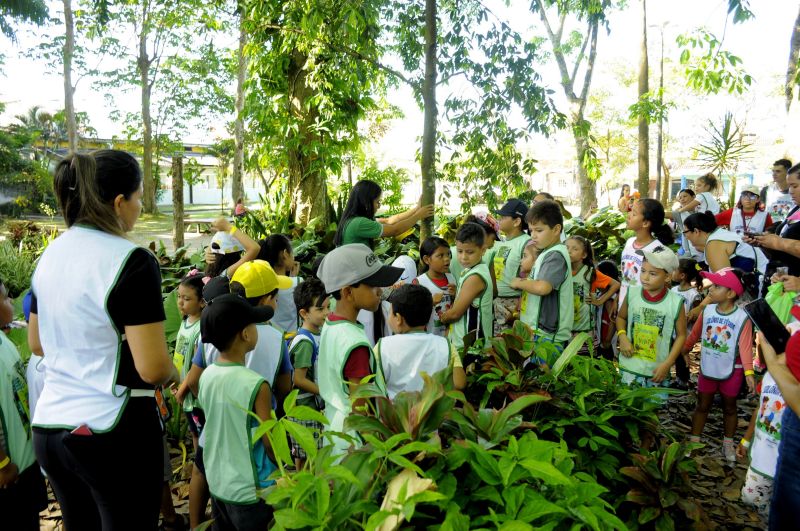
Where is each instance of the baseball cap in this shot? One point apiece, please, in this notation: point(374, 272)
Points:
point(227, 315)
point(258, 278)
point(513, 207)
point(409, 267)
point(726, 278)
point(488, 221)
point(353, 264)
point(224, 243)
point(750, 189)
point(662, 258)
point(215, 287)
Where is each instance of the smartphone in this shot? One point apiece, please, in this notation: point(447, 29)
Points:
point(753, 234)
point(768, 323)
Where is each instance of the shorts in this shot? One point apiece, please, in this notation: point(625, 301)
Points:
point(729, 388)
point(167, 465)
point(757, 491)
point(197, 420)
point(240, 517)
point(297, 451)
point(503, 308)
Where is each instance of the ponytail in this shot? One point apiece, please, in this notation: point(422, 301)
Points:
point(749, 282)
point(653, 211)
point(272, 247)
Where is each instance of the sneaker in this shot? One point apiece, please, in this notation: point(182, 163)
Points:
point(729, 450)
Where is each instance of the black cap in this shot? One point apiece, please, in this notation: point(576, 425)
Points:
point(215, 287)
point(513, 207)
point(227, 315)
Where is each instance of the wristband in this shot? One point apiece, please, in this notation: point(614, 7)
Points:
point(4, 463)
point(744, 442)
point(233, 229)
point(622, 332)
point(749, 372)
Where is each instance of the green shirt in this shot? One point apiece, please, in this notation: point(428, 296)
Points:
point(185, 345)
point(507, 256)
point(15, 421)
point(361, 230)
point(301, 354)
point(482, 302)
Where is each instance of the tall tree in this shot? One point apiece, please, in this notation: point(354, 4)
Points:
point(428, 162)
point(643, 180)
point(576, 90)
point(69, 88)
point(794, 58)
point(237, 186)
point(34, 11)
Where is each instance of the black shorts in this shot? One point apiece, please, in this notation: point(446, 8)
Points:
point(21, 503)
point(197, 420)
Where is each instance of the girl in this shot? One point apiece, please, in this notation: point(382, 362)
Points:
point(277, 250)
point(190, 304)
point(650, 317)
point(229, 249)
point(624, 202)
point(727, 351)
point(686, 278)
point(748, 216)
point(586, 281)
point(704, 200)
point(607, 325)
point(435, 256)
point(684, 197)
point(646, 219)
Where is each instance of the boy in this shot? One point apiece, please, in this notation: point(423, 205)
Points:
point(312, 304)
point(353, 276)
point(547, 303)
point(229, 392)
point(411, 351)
point(507, 259)
point(22, 490)
point(472, 308)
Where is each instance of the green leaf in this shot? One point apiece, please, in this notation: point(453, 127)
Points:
point(648, 514)
point(293, 519)
point(303, 435)
point(545, 471)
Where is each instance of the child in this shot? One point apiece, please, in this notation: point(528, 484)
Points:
point(727, 357)
point(411, 351)
point(277, 250)
point(491, 228)
point(230, 393)
point(764, 433)
point(229, 249)
point(704, 200)
point(607, 323)
point(312, 303)
point(547, 302)
point(529, 255)
point(22, 489)
point(354, 276)
point(646, 219)
point(472, 308)
point(507, 258)
point(684, 197)
point(650, 316)
point(685, 278)
point(435, 256)
point(586, 283)
point(190, 304)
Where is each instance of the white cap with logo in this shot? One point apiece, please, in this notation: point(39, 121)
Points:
point(355, 263)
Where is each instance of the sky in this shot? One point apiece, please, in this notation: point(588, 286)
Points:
point(762, 43)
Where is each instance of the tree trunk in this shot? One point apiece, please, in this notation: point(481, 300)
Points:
point(428, 163)
point(794, 57)
point(643, 183)
point(143, 63)
point(666, 188)
point(660, 146)
point(237, 186)
point(191, 194)
point(177, 202)
point(587, 186)
point(307, 182)
point(69, 89)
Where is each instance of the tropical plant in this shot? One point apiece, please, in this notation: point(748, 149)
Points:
point(724, 148)
point(605, 230)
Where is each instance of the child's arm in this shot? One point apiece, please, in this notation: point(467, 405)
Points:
point(283, 381)
point(694, 337)
point(34, 343)
point(613, 287)
point(534, 287)
point(470, 290)
point(746, 354)
point(662, 371)
point(192, 380)
point(263, 410)
point(623, 342)
point(741, 450)
point(459, 375)
point(9, 473)
point(251, 247)
point(690, 206)
point(302, 382)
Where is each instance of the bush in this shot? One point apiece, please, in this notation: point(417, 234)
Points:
point(16, 268)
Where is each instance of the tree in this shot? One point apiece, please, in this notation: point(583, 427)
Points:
point(428, 162)
point(69, 88)
point(643, 181)
point(34, 11)
point(223, 151)
point(794, 58)
point(237, 187)
point(724, 148)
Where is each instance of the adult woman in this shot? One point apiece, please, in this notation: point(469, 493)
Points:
point(721, 247)
point(98, 317)
point(748, 216)
point(358, 223)
point(624, 203)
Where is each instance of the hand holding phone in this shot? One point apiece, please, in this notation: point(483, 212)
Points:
point(768, 323)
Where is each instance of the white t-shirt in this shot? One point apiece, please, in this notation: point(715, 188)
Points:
point(285, 316)
point(707, 202)
point(632, 265)
point(778, 203)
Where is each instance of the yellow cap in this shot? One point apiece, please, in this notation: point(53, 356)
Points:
point(258, 278)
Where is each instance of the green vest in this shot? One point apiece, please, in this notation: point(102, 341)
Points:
point(584, 311)
point(483, 303)
point(227, 395)
point(531, 304)
point(337, 341)
point(650, 329)
point(507, 257)
point(185, 345)
point(14, 413)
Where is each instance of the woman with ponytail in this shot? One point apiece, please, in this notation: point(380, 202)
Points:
point(721, 247)
point(646, 219)
point(98, 317)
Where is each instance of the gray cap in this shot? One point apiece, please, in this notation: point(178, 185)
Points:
point(355, 263)
point(662, 258)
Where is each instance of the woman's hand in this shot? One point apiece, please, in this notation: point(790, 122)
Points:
point(221, 225)
point(790, 283)
point(624, 345)
point(424, 212)
point(768, 240)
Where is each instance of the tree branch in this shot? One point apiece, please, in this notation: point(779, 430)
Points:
point(555, 40)
point(587, 80)
point(580, 54)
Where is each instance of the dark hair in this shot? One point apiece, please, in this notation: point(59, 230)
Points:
point(548, 195)
point(609, 269)
point(194, 280)
point(238, 289)
point(794, 170)
point(687, 191)
point(710, 179)
point(588, 260)
point(786, 163)
point(272, 247)
point(429, 247)
point(413, 302)
point(309, 293)
point(361, 203)
point(315, 264)
point(547, 212)
point(749, 282)
point(653, 211)
point(471, 233)
point(222, 263)
point(622, 190)
point(488, 229)
point(703, 221)
point(86, 186)
point(337, 295)
point(688, 267)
